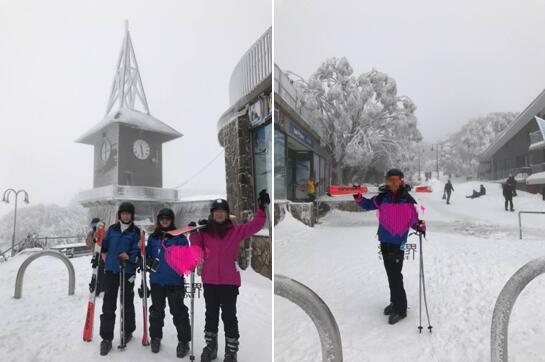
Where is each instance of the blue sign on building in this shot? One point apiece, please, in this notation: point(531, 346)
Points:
point(301, 135)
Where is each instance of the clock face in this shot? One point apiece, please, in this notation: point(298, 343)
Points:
point(141, 149)
point(105, 150)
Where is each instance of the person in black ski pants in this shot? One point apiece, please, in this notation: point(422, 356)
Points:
point(120, 242)
point(448, 190)
point(397, 213)
point(166, 285)
point(508, 196)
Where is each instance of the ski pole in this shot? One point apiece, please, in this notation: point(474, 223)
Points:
point(122, 344)
point(423, 289)
point(192, 292)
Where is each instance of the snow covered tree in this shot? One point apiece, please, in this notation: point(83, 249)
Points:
point(361, 119)
point(460, 151)
point(44, 220)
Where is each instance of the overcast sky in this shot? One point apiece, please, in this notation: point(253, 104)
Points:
point(456, 60)
point(57, 63)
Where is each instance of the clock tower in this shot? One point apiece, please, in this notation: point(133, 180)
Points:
point(127, 144)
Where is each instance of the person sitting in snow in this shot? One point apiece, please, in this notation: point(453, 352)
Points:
point(166, 285)
point(397, 214)
point(120, 243)
point(220, 241)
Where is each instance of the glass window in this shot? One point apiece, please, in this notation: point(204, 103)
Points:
point(280, 184)
point(262, 152)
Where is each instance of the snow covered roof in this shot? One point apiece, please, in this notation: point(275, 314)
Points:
point(536, 178)
point(525, 117)
point(134, 119)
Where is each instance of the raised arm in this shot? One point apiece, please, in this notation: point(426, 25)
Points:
point(366, 204)
point(244, 231)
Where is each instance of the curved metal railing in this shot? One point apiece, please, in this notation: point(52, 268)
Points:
point(21, 273)
point(317, 310)
point(504, 306)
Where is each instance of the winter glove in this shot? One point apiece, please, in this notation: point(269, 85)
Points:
point(263, 199)
point(203, 223)
point(421, 227)
point(357, 197)
point(141, 290)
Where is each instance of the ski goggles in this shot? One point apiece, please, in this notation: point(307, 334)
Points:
point(394, 180)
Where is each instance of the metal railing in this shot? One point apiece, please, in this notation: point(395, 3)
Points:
point(32, 241)
point(317, 310)
point(504, 305)
point(520, 219)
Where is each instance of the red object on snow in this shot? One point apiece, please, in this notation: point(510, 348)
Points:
point(423, 189)
point(335, 190)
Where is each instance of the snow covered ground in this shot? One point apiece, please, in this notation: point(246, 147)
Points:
point(471, 251)
point(47, 324)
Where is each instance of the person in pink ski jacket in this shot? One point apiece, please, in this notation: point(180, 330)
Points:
point(220, 241)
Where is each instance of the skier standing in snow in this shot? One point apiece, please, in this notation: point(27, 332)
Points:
point(220, 241)
point(166, 285)
point(508, 196)
point(397, 214)
point(91, 239)
point(448, 190)
point(120, 243)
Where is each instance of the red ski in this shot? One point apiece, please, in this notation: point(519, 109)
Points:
point(185, 230)
point(335, 190)
point(145, 341)
point(89, 320)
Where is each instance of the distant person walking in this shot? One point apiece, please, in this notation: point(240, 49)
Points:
point(508, 196)
point(448, 190)
point(512, 183)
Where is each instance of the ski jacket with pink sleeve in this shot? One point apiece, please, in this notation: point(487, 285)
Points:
point(220, 253)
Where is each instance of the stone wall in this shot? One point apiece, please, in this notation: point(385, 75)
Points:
point(237, 142)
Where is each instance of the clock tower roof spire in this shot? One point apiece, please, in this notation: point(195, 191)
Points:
point(127, 103)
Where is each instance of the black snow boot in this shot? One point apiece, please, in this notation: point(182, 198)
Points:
point(395, 317)
point(105, 347)
point(155, 345)
point(231, 349)
point(389, 309)
point(182, 350)
point(210, 351)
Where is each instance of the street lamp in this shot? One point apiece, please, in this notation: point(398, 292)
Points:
point(5, 199)
point(437, 147)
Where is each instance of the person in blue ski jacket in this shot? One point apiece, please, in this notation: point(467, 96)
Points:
point(396, 211)
point(120, 242)
point(166, 285)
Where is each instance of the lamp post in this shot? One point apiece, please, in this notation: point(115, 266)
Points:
point(437, 147)
point(5, 198)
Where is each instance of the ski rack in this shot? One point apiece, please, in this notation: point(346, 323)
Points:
point(30, 259)
point(520, 219)
point(317, 310)
point(504, 305)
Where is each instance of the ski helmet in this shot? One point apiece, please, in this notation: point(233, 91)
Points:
point(125, 207)
point(395, 172)
point(220, 204)
point(166, 213)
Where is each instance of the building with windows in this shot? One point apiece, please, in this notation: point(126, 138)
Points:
point(519, 150)
point(245, 133)
point(298, 154)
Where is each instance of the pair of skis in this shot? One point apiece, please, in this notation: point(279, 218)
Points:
point(336, 190)
point(89, 320)
point(88, 328)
